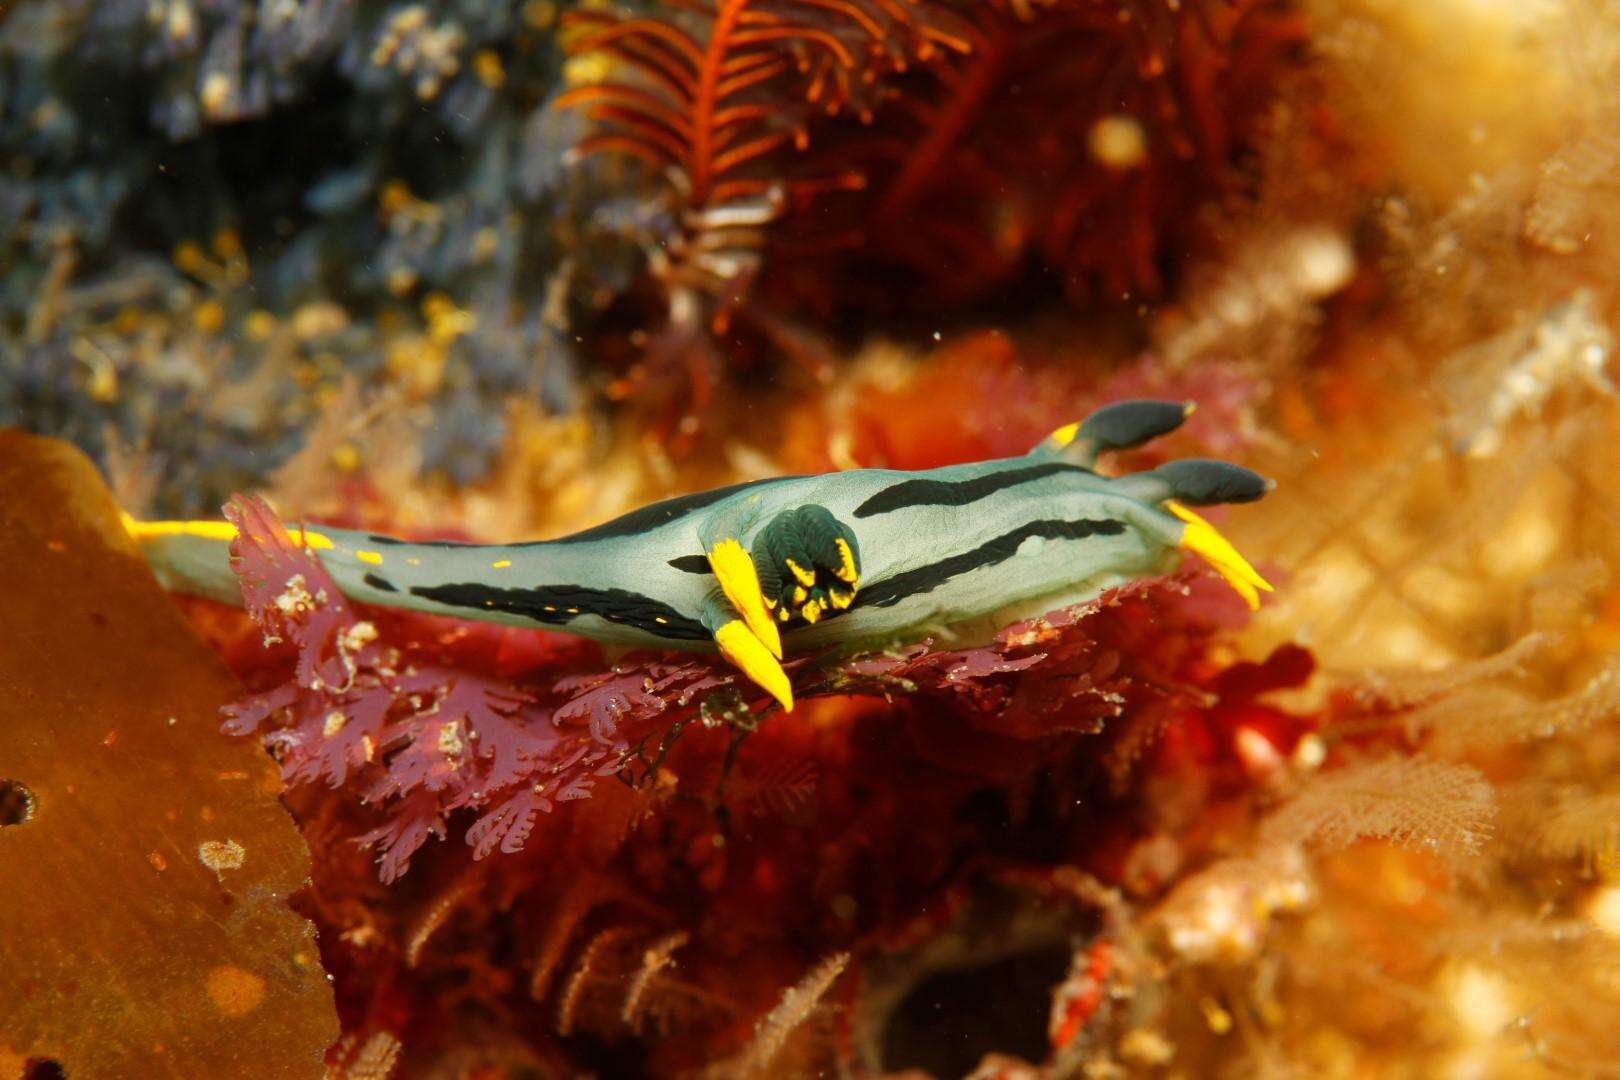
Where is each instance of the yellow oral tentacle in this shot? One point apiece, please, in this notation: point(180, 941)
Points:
point(1201, 538)
point(734, 569)
point(739, 645)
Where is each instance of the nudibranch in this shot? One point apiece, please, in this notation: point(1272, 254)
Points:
point(790, 565)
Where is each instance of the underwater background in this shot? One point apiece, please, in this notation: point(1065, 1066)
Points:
point(498, 270)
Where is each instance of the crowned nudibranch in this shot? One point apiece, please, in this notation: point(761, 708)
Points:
point(795, 564)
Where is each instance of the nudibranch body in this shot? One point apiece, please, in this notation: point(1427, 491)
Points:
point(798, 564)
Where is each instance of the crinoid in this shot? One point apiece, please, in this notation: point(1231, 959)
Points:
point(1075, 138)
point(948, 151)
point(712, 92)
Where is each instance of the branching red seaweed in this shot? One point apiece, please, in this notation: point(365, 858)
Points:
point(417, 738)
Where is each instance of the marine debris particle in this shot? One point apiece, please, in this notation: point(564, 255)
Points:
point(220, 855)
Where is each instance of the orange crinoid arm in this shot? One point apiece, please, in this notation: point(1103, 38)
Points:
point(711, 89)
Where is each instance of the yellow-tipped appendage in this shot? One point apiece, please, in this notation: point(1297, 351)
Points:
point(1200, 537)
point(734, 568)
point(739, 645)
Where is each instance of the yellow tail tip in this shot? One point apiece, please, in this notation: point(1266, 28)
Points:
point(739, 645)
point(223, 531)
point(205, 530)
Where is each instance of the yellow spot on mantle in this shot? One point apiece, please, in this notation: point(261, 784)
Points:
point(369, 557)
point(502, 564)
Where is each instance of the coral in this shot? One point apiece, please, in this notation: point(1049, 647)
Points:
point(1368, 832)
point(459, 243)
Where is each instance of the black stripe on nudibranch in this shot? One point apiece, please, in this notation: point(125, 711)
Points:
point(660, 513)
point(891, 591)
point(394, 541)
point(923, 492)
point(692, 564)
point(634, 523)
point(558, 605)
point(380, 584)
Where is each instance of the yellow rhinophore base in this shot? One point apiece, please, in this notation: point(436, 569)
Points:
point(1200, 537)
point(734, 569)
point(1063, 436)
point(739, 645)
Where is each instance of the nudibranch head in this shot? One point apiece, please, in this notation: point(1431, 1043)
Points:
point(809, 564)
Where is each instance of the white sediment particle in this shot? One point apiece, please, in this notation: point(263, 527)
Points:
point(451, 743)
point(358, 636)
point(220, 855)
point(295, 598)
